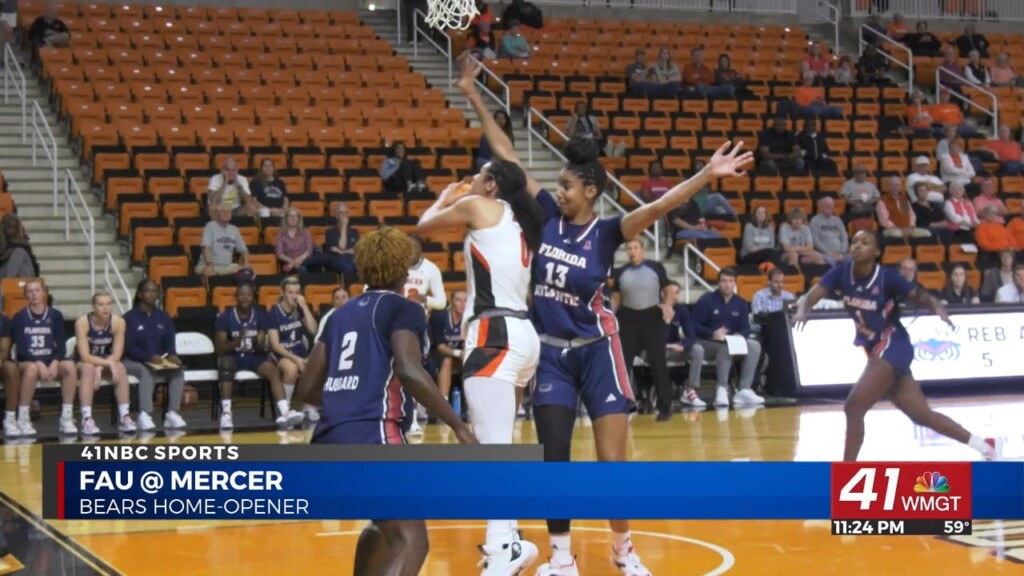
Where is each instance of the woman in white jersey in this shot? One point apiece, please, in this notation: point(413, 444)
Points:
point(503, 225)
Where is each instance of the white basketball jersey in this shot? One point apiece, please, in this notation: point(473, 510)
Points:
point(497, 266)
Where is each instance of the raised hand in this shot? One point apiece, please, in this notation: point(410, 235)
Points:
point(469, 67)
point(730, 163)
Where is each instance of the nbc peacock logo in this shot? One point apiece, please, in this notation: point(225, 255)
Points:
point(932, 483)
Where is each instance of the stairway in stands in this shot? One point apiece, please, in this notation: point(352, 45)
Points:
point(64, 263)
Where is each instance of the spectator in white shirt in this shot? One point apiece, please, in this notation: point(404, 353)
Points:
point(956, 166)
point(960, 213)
point(829, 232)
point(796, 240)
point(221, 242)
point(921, 173)
point(951, 133)
point(976, 72)
point(231, 189)
point(1013, 293)
point(424, 283)
point(860, 193)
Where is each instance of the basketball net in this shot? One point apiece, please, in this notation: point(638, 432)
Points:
point(456, 14)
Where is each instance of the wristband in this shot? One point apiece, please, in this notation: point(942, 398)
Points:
point(456, 353)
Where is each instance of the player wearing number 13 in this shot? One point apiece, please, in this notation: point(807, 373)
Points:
point(871, 294)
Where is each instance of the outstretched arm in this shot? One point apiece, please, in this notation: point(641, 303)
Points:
point(926, 300)
point(723, 163)
point(806, 303)
point(449, 211)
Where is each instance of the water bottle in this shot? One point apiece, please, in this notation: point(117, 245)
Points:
point(457, 402)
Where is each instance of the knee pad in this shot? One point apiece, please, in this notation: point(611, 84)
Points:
point(226, 369)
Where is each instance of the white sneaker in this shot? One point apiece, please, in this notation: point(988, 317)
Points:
point(509, 559)
point(630, 563)
point(27, 429)
point(290, 418)
point(89, 427)
point(174, 420)
point(11, 428)
point(127, 424)
point(415, 429)
point(993, 449)
point(551, 568)
point(722, 396)
point(67, 427)
point(226, 423)
point(690, 398)
point(145, 423)
point(747, 397)
point(312, 413)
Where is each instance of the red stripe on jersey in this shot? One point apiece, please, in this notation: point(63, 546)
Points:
point(606, 321)
point(394, 399)
point(393, 433)
point(883, 342)
point(619, 364)
point(479, 257)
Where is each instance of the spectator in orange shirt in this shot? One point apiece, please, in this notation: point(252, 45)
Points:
point(895, 214)
point(919, 115)
point(1007, 151)
point(988, 199)
point(817, 63)
point(1002, 73)
point(897, 28)
point(697, 76)
point(945, 112)
point(991, 235)
point(810, 100)
point(1016, 227)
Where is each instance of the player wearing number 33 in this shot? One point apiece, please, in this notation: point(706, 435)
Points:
point(370, 351)
point(871, 294)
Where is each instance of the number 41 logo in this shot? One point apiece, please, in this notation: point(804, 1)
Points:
point(867, 495)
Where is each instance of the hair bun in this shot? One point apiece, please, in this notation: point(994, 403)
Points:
point(581, 151)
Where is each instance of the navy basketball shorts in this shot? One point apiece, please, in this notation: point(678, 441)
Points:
point(359, 432)
point(595, 373)
point(895, 348)
point(250, 362)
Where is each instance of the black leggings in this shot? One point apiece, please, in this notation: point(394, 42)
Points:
point(554, 432)
point(644, 331)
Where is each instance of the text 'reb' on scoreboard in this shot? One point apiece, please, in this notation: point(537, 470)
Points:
point(901, 499)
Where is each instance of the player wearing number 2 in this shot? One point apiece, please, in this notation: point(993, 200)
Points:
point(369, 352)
point(871, 294)
point(581, 357)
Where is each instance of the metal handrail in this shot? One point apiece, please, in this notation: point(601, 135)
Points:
point(13, 76)
point(994, 112)
point(687, 249)
point(87, 226)
point(417, 32)
point(39, 123)
point(655, 236)
point(108, 282)
point(505, 103)
point(398, 22)
point(909, 66)
point(829, 11)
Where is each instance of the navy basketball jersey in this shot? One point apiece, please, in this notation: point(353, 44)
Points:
point(871, 301)
point(249, 327)
point(570, 274)
point(444, 330)
point(39, 337)
point(361, 383)
point(290, 329)
point(5, 328)
point(101, 338)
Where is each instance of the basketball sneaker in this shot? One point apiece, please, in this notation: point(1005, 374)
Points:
point(26, 427)
point(690, 398)
point(993, 449)
point(722, 396)
point(290, 418)
point(226, 423)
point(67, 427)
point(126, 424)
point(552, 568)
point(415, 429)
point(629, 562)
point(145, 423)
point(312, 413)
point(173, 420)
point(747, 397)
point(11, 428)
point(509, 559)
point(89, 427)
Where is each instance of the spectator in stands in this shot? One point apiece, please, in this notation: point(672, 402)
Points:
point(991, 234)
point(797, 241)
point(484, 14)
point(970, 41)
point(665, 73)
point(897, 28)
point(960, 214)
point(230, 189)
point(908, 269)
point(484, 154)
point(1016, 227)
point(950, 71)
point(1007, 151)
point(895, 214)
point(829, 232)
point(338, 299)
point(810, 100)
point(988, 198)
point(513, 44)
point(726, 75)
point(1013, 292)
point(151, 352)
point(221, 241)
point(928, 209)
point(779, 149)
point(655, 186)
point(717, 315)
point(874, 25)
point(922, 42)
point(861, 194)
point(424, 284)
point(481, 41)
point(921, 175)
point(872, 67)
point(1002, 74)
point(48, 30)
point(525, 13)
point(640, 79)
point(814, 148)
point(817, 63)
point(295, 248)
point(946, 114)
point(919, 115)
point(697, 76)
point(772, 298)
point(401, 174)
point(583, 124)
point(976, 72)
point(269, 192)
point(689, 219)
point(681, 342)
point(642, 315)
point(339, 245)
point(845, 71)
point(17, 260)
point(759, 239)
point(995, 278)
point(957, 291)
point(955, 166)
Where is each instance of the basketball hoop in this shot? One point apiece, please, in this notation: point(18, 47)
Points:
point(445, 14)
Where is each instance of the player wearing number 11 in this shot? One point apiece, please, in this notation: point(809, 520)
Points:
point(871, 293)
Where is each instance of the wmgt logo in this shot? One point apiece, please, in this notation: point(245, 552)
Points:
point(932, 483)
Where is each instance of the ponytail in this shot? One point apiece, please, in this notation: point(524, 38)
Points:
point(511, 182)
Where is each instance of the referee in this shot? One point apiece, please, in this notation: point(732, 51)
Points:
point(642, 318)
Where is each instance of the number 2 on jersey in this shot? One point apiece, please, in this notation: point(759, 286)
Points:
point(556, 274)
point(348, 348)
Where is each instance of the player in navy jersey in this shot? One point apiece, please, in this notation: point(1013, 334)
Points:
point(871, 294)
point(369, 353)
point(581, 356)
point(99, 346)
point(447, 342)
point(240, 337)
point(38, 334)
point(11, 379)
point(288, 324)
